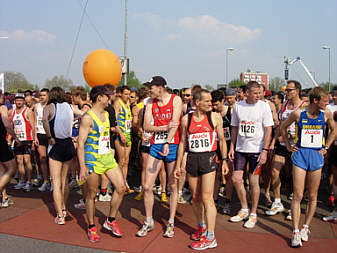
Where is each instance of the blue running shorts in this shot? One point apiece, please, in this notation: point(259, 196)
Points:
point(308, 159)
point(172, 155)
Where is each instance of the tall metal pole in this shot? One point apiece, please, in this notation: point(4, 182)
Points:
point(227, 49)
point(329, 71)
point(126, 39)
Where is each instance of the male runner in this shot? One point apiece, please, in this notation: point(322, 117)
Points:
point(165, 109)
point(200, 130)
point(308, 158)
point(281, 154)
point(123, 128)
point(23, 120)
point(252, 123)
point(95, 158)
point(41, 139)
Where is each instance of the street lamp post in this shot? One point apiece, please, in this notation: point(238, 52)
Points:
point(227, 49)
point(327, 47)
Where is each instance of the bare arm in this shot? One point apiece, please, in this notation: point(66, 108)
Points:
point(31, 119)
point(177, 109)
point(219, 131)
point(117, 107)
point(48, 112)
point(148, 127)
point(86, 124)
point(332, 127)
point(6, 122)
point(135, 117)
point(293, 117)
point(181, 147)
point(274, 113)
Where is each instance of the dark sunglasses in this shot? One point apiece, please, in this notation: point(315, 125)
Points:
point(288, 90)
point(187, 95)
point(132, 97)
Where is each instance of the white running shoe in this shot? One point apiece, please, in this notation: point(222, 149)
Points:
point(104, 198)
point(250, 223)
point(147, 227)
point(296, 240)
point(27, 187)
point(44, 187)
point(331, 217)
point(80, 204)
point(305, 233)
point(20, 185)
point(275, 209)
point(242, 215)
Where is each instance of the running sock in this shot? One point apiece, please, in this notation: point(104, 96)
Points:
point(277, 200)
point(296, 231)
point(202, 224)
point(91, 226)
point(245, 210)
point(209, 235)
point(253, 214)
point(149, 220)
point(171, 221)
point(104, 191)
point(111, 219)
point(305, 226)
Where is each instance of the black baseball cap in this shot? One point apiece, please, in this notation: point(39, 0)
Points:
point(158, 81)
point(100, 90)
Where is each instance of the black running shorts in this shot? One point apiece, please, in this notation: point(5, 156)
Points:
point(199, 164)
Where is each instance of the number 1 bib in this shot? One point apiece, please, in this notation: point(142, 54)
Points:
point(311, 138)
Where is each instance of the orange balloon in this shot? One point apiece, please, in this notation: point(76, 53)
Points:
point(102, 66)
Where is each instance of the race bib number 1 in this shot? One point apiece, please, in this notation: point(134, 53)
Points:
point(311, 138)
point(247, 130)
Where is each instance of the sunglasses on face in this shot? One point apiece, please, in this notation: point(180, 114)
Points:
point(132, 97)
point(187, 95)
point(289, 90)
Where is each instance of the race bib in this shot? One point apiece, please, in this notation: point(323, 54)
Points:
point(200, 142)
point(103, 145)
point(311, 138)
point(247, 128)
point(160, 137)
point(227, 133)
point(128, 126)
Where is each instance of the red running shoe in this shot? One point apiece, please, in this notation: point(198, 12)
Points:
point(197, 234)
point(113, 227)
point(204, 244)
point(92, 235)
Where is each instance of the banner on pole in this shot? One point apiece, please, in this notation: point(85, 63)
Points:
point(2, 82)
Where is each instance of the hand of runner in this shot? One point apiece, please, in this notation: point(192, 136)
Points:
point(18, 142)
point(51, 141)
point(262, 157)
point(177, 172)
point(123, 138)
point(231, 155)
point(224, 168)
point(323, 151)
point(84, 174)
point(166, 150)
point(292, 148)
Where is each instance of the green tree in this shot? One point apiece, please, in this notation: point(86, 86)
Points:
point(132, 80)
point(235, 83)
point(59, 81)
point(276, 84)
point(209, 87)
point(326, 85)
point(15, 81)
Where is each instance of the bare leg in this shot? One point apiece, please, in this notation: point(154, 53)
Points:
point(207, 183)
point(240, 189)
point(298, 186)
point(198, 207)
point(55, 172)
point(92, 184)
point(277, 165)
point(162, 178)
point(8, 171)
point(254, 191)
point(21, 167)
point(29, 168)
point(43, 162)
point(173, 188)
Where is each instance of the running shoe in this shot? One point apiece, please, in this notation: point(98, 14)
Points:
point(4, 202)
point(331, 200)
point(305, 233)
point(242, 215)
point(198, 233)
point(113, 227)
point(163, 197)
point(169, 233)
point(139, 196)
point(145, 229)
point(72, 184)
point(331, 217)
point(20, 185)
point(250, 223)
point(296, 240)
point(181, 199)
point(44, 187)
point(60, 220)
point(27, 187)
point(138, 189)
point(104, 198)
point(289, 217)
point(226, 209)
point(157, 189)
point(36, 182)
point(92, 235)
point(204, 244)
point(80, 204)
point(275, 209)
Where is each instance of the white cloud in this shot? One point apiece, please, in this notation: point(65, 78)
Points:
point(210, 28)
point(153, 19)
point(34, 35)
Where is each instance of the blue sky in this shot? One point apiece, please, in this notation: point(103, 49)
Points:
point(182, 40)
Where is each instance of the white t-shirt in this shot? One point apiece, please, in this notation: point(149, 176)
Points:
point(251, 119)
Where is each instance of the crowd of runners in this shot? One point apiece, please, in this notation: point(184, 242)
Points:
point(192, 145)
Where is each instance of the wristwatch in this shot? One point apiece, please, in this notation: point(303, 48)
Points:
point(326, 148)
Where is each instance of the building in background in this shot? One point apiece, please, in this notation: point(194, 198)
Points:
point(261, 78)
